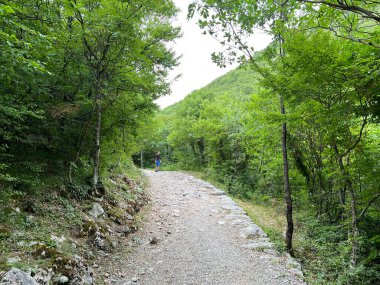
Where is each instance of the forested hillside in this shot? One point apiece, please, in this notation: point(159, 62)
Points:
point(312, 98)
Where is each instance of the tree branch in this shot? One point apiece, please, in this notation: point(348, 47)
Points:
point(361, 215)
point(345, 7)
point(361, 41)
point(358, 139)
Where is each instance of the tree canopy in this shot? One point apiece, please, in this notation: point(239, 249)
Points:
point(78, 77)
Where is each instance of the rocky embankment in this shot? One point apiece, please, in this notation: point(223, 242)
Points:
point(67, 239)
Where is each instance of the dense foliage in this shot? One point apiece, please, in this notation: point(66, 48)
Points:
point(330, 88)
point(77, 79)
point(77, 84)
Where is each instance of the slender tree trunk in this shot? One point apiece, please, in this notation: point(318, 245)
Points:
point(351, 192)
point(192, 145)
point(221, 152)
point(288, 195)
point(287, 190)
point(80, 146)
point(96, 178)
point(354, 223)
point(168, 156)
point(342, 200)
point(201, 147)
point(122, 149)
point(142, 159)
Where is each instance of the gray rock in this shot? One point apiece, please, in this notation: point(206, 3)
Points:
point(228, 207)
point(235, 216)
point(61, 279)
point(294, 266)
point(30, 219)
point(154, 240)
point(238, 211)
point(129, 217)
point(96, 211)
point(43, 276)
point(126, 230)
point(270, 251)
point(13, 260)
point(260, 246)
point(88, 280)
point(17, 277)
point(241, 222)
point(57, 239)
point(84, 275)
point(218, 193)
point(227, 199)
point(252, 232)
point(99, 241)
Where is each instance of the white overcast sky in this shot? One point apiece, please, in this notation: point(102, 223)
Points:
point(196, 66)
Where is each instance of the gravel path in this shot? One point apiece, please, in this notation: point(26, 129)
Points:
point(194, 234)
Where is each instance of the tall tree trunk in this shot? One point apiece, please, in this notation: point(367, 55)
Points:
point(288, 195)
point(96, 158)
point(287, 190)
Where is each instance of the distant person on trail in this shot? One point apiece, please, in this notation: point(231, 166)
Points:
point(158, 161)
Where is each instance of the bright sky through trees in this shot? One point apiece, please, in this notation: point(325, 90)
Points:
point(196, 66)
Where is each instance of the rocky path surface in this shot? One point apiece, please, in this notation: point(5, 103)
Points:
point(195, 234)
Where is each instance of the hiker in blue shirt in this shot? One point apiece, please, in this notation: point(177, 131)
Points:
point(158, 161)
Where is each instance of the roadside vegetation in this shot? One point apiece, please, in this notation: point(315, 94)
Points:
point(231, 131)
point(295, 127)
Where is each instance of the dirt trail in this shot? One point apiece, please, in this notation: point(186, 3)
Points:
point(203, 238)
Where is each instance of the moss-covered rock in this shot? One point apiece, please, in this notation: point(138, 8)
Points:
point(45, 251)
point(89, 228)
point(65, 265)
